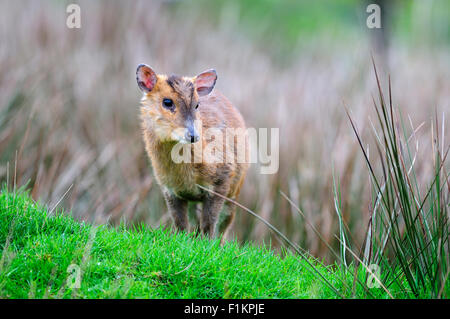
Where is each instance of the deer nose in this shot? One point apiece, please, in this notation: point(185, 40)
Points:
point(192, 135)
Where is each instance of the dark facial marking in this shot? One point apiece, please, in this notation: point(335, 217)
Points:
point(185, 91)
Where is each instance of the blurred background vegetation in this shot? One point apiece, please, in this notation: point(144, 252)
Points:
point(69, 125)
point(287, 24)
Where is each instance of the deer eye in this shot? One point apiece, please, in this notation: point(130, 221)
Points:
point(168, 103)
point(196, 107)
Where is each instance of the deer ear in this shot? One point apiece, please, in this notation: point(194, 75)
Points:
point(145, 77)
point(205, 81)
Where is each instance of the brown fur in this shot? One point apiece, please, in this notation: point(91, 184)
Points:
point(178, 181)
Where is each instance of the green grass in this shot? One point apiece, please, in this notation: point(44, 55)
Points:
point(38, 248)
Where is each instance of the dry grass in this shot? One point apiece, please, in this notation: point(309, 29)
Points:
point(69, 112)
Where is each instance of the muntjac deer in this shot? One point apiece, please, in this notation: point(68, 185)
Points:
point(179, 110)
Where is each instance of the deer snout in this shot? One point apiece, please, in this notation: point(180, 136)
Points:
point(191, 134)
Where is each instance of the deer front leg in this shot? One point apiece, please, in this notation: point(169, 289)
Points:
point(212, 205)
point(178, 210)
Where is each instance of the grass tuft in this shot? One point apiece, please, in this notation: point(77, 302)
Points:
point(408, 233)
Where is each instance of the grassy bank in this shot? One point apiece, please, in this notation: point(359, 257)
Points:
point(42, 251)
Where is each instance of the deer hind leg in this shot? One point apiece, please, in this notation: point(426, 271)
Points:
point(212, 206)
point(195, 213)
point(226, 223)
point(178, 210)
